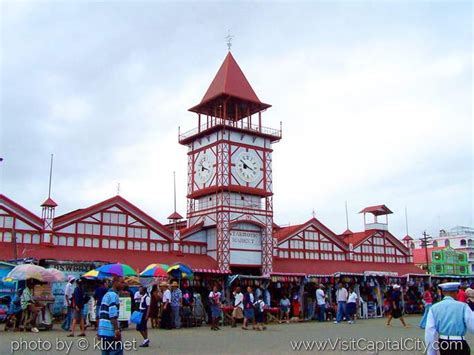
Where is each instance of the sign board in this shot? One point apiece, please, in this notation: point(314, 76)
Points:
point(247, 240)
point(125, 311)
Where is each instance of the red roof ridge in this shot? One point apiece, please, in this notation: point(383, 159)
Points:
point(119, 200)
point(175, 215)
point(28, 214)
point(407, 237)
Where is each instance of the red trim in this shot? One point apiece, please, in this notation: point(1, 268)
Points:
point(28, 215)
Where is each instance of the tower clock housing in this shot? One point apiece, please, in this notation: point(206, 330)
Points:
point(230, 172)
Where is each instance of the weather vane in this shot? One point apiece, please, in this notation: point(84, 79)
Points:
point(229, 40)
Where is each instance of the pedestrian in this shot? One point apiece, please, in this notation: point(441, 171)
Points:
point(249, 312)
point(285, 309)
point(215, 303)
point(321, 301)
point(260, 313)
point(109, 330)
point(28, 303)
point(154, 307)
point(352, 303)
point(79, 300)
point(176, 304)
point(166, 311)
point(188, 302)
point(14, 312)
point(136, 300)
point(396, 307)
point(341, 298)
point(144, 308)
point(470, 298)
point(427, 302)
point(238, 311)
point(68, 290)
point(447, 324)
point(99, 293)
point(461, 295)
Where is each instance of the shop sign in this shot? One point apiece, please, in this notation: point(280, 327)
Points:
point(245, 240)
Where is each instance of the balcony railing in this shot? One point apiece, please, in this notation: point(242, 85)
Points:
point(272, 132)
point(202, 205)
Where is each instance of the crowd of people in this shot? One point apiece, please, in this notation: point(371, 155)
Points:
point(173, 305)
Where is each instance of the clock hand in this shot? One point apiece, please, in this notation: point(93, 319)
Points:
point(203, 168)
point(248, 167)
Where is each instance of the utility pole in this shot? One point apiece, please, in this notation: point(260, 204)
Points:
point(425, 241)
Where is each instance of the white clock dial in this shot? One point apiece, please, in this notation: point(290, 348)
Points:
point(248, 167)
point(204, 168)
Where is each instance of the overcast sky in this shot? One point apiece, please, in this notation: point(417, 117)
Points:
point(375, 100)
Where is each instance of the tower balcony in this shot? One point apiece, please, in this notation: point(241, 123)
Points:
point(238, 126)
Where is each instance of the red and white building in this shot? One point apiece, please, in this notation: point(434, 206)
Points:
point(229, 226)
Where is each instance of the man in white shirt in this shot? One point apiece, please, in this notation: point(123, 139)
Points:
point(166, 314)
point(341, 297)
point(238, 312)
point(68, 292)
point(321, 300)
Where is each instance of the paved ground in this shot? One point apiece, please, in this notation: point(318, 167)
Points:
point(275, 340)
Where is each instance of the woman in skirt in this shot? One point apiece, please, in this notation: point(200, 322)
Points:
point(428, 302)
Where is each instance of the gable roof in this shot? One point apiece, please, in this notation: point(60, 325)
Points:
point(188, 231)
point(286, 233)
point(114, 201)
point(359, 237)
point(21, 211)
point(377, 210)
point(49, 203)
point(407, 237)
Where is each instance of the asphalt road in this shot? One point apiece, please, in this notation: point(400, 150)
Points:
point(362, 337)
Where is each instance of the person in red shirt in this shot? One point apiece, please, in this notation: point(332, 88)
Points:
point(462, 294)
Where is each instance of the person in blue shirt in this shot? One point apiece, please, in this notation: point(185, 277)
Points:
point(98, 295)
point(79, 300)
point(447, 324)
point(109, 330)
point(14, 312)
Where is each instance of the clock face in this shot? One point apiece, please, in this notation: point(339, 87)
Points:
point(204, 168)
point(248, 167)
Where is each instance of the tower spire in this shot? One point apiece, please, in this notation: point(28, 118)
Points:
point(50, 175)
point(228, 40)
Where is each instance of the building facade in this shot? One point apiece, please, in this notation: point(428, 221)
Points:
point(229, 226)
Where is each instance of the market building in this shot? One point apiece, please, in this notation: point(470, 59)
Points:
point(229, 227)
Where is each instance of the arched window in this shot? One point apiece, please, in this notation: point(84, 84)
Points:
point(471, 255)
point(105, 243)
point(80, 242)
point(113, 244)
point(470, 243)
point(412, 245)
point(446, 243)
point(462, 242)
point(435, 244)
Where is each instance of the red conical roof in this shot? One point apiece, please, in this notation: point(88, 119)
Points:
point(230, 82)
point(175, 215)
point(49, 203)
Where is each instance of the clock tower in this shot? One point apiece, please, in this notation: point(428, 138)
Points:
point(230, 172)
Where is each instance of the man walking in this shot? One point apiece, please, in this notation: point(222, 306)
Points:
point(321, 301)
point(68, 290)
point(176, 304)
point(448, 321)
point(397, 309)
point(79, 301)
point(109, 331)
point(341, 297)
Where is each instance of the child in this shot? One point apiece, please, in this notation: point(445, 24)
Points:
point(14, 312)
point(285, 309)
point(259, 313)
